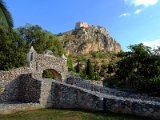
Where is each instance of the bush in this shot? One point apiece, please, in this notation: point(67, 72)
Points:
point(138, 69)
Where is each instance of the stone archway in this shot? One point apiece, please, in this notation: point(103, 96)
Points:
point(40, 62)
point(51, 73)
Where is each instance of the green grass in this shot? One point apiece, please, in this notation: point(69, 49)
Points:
point(59, 114)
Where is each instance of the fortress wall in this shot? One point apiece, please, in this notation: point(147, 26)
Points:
point(9, 83)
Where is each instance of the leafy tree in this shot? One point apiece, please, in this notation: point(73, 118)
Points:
point(12, 52)
point(40, 39)
point(6, 20)
point(139, 69)
point(157, 51)
point(89, 70)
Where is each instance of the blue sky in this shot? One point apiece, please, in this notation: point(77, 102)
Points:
point(128, 21)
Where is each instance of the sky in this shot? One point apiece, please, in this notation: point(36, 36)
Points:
point(128, 21)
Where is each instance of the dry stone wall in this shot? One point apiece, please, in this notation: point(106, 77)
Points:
point(62, 95)
point(29, 89)
point(9, 83)
point(79, 82)
point(48, 93)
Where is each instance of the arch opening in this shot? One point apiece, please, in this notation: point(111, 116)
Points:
point(51, 73)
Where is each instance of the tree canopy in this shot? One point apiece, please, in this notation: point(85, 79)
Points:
point(40, 39)
point(6, 20)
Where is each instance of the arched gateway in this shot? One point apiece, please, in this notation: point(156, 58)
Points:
point(40, 62)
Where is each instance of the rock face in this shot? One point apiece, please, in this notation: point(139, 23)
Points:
point(86, 39)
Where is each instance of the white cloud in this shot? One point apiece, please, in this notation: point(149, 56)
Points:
point(145, 3)
point(125, 15)
point(152, 43)
point(138, 11)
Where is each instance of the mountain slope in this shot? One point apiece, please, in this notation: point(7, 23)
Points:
point(85, 39)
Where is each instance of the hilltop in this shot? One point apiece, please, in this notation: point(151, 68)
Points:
point(86, 38)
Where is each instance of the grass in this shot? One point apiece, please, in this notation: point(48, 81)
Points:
point(62, 114)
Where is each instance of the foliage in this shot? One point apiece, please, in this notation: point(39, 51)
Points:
point(96, 72)
point(139, 61)
point(40, 39)
point(12, 52)
point(138, 69)
point(157, 51)
point(100, 54)
point(48, 74)
point(6, 20)
point(89, 70)
point(70, 64)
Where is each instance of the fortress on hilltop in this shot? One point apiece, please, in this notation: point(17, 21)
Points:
point(82, 25)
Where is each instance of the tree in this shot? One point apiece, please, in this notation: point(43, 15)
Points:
point(157, 51)
point(40, 39)
point(89, 70)
point(6, 20)
point(138, 67)
point(70, 64)
point(12, 52)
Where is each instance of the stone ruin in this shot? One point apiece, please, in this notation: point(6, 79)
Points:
point(37, 63)
point(25, 89)
point(82, 25)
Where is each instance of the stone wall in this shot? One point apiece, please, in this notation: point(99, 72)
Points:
point(79, 82)
point(62, 95)
point(9, 83)
point(48, 93)
point(68, 96)
point(40, 62)
point(29, 89)
point(57, 64)
point(132, 106)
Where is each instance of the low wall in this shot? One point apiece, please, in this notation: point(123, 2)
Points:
point(62, 95)
point(136, 107)
point(48, 93)
point(79, 82)
point(67, 96)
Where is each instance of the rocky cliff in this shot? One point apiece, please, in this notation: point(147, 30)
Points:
point(84, 40)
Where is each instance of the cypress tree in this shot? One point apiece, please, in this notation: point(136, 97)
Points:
point(89, 70)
